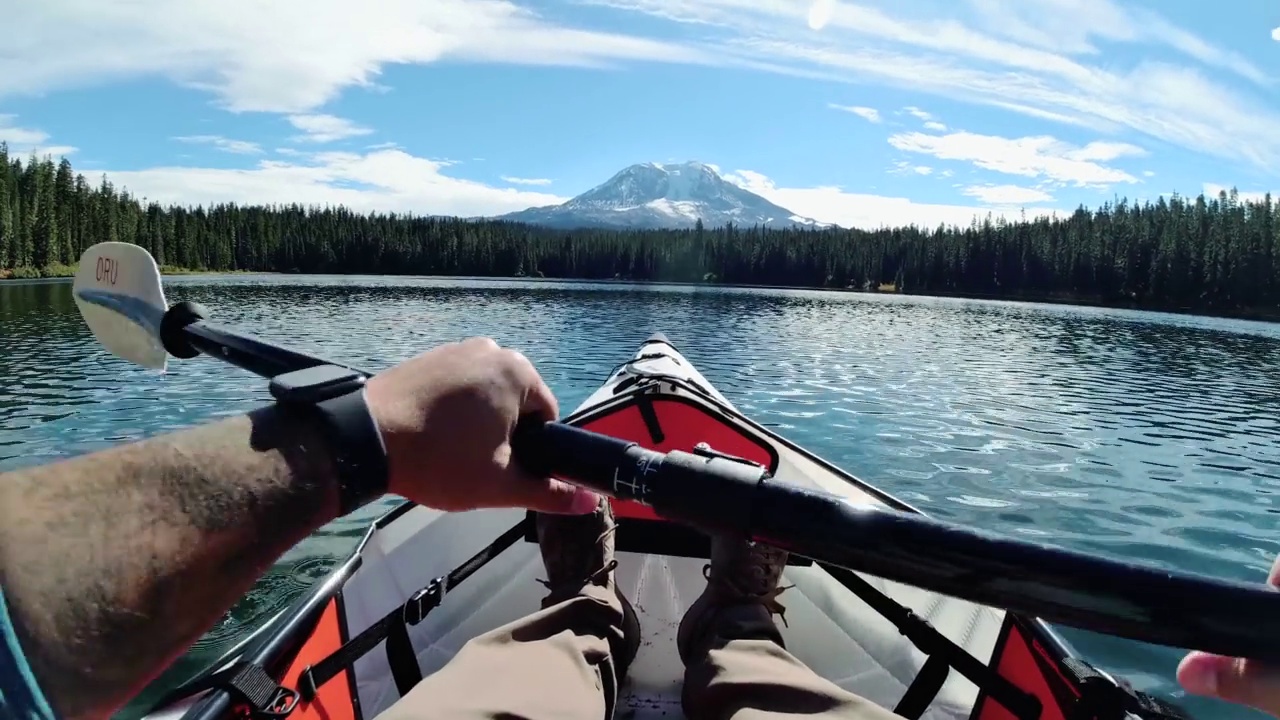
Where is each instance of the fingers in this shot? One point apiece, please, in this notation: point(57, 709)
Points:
point(1236, 680)
point(547, 495)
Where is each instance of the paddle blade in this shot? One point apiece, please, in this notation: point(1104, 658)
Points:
point(117, 289)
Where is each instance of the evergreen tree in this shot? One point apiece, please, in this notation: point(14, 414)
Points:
point(1219, 254)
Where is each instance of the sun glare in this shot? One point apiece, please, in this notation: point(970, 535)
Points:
point(820, 13)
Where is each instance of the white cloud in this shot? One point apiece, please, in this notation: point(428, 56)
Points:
point(383, 180)
point(1275, 34)
point(1056, 25)
point(1148, 173)
point(917, 112)
point(1054, 74)
point(1104, 151)
point(525, 181)
point(930, 122)
point(18, 136)
point(289, 56)
point(1068, 26)
point(866, 113)
point(1036, 157)
point(902, 167)
point(238, 147)
point(391, 180)
point(1007, 194)
point(325, 128)
point(869, 212)
point(25, 141)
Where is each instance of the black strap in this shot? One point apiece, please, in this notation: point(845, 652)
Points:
point(650, 417)
point(335, 396)
point(1102, 698)
point(360, 454)
point(921, 692)
point(250, 686)
point(402, 659)
point(411, 612)
point(922, 634)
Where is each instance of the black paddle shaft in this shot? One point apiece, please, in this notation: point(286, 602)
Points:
point(720, 494)
point(723, 494)
point(185, 333)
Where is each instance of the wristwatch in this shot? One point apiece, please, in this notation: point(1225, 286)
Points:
point(335, 396)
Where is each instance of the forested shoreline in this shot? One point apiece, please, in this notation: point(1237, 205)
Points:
point(1217, 255)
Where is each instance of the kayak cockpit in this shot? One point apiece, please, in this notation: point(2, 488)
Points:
point(921, 653)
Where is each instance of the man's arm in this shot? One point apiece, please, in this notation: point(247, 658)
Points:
point(114, 563)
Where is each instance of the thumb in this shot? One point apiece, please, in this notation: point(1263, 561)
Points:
point(1237, 680)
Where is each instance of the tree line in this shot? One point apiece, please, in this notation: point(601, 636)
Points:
point(1205, 254)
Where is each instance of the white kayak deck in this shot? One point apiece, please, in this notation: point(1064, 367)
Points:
point(828, 628)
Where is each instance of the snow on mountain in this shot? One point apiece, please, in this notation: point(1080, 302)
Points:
point(652, 195)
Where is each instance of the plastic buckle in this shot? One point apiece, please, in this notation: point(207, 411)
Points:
point(424, 601)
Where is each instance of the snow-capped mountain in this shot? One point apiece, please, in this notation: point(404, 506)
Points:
point(650, 195)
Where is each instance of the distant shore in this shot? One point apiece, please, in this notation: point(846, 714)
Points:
point(64, 272)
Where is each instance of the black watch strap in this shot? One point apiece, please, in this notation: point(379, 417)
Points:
point(358, 450)
point(336, 397)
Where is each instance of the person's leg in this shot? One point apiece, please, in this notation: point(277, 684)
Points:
point(565, 661)
point(736, 665)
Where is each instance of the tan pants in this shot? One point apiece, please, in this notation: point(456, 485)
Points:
point(556, 665)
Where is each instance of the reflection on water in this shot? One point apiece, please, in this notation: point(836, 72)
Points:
point(1123, 433)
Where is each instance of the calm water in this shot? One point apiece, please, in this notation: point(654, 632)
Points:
point(1129, 434)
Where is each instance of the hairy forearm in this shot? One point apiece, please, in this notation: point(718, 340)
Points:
point(115, 563)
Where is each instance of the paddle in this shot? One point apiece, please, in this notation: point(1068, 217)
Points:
point(118, 290)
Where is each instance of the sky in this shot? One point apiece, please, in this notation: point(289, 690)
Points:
point(862, 114)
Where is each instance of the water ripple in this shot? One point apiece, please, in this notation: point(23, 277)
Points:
point(1134, 435)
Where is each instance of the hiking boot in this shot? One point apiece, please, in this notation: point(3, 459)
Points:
point(743, 580)
point(577, 551)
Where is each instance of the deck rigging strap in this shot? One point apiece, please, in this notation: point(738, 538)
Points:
point(930, 679)
point(393, 627)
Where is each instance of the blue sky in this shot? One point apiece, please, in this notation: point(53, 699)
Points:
point(862, 114)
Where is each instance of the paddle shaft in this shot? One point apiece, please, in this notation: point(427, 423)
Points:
point(720, 494)
point(185, 334)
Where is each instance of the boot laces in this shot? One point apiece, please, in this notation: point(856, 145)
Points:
point(734, 590)
point(594, 576)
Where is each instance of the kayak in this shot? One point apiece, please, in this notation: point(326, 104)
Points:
point(422, 582)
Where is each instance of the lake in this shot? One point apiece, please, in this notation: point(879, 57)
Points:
point(1129, 434)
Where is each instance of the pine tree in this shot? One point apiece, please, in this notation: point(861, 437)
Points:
point(1219, 254)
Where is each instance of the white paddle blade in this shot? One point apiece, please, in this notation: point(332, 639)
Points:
point(117, 289)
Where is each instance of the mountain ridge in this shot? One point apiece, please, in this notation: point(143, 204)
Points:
point(663, 196)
